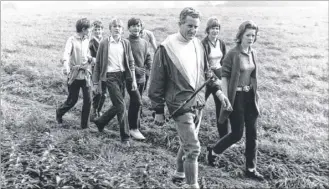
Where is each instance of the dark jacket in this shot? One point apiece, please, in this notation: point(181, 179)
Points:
point(167, 85)
point(231, 70)
point(102, 61)
point(93, 47)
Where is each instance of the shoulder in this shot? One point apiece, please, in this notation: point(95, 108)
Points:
point(233, 52)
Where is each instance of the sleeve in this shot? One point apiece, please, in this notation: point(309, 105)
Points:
point(97, 67)
point(223, 51)
point(148, 59)
point(158, 79)
point(67, 52)
point(130, 57)
point(227, 65)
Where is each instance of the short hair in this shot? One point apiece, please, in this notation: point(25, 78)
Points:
point(188, 11)
point(242, 29)
point(212, 22)
point(134, 21)
point(115, 20)
point(83, 23)
point(98, 24)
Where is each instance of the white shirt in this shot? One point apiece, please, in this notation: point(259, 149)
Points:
point(215, 55)
point(116, 53)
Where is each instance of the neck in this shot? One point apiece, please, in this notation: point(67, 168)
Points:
point(98, 37)
point(212, 39)
point(245, 48)
point(182, 38)
point(116, 37)
point(132, 36)
point(81, 35)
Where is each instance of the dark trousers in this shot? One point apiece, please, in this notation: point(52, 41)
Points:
point(222, 128)
point(115, 83)
point(135, 106)
point(99, 99)
point(244, 114)
point(72, 99)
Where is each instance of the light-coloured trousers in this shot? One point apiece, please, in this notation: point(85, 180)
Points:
point(188, 126)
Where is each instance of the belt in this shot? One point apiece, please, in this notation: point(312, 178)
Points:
point(244, 88)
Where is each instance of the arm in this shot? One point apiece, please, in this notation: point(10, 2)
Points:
point(97, 68)
point(153, 41)
point(148, 59)
point(158, 79)
point(131, 62)
point(226, 72)
point(67, 54)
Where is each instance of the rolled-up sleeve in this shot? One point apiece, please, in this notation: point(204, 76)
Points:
point(158, 79)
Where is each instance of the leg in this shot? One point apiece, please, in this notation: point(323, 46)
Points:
point(71, 100)
point(237, 125)
point(222, 128)
point(251, 132)
point(187, 127)
point(134, 107)
point(86, 92)
point(102, 98)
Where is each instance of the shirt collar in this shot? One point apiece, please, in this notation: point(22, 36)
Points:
point(182, 39)
point(112, 40)
point(98, 40)
point(79, 37)
point(251, 50)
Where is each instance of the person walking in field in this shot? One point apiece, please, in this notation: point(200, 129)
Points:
point(239, 83)
point(143, 60)
point(114, 66)
point(175, 77)
point(98, 98)
point(215, 49)
point(77, 66)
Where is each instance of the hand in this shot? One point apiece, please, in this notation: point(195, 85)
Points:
point(224, 100)
point(134, 86)
point(66, 71)
point(159, 119)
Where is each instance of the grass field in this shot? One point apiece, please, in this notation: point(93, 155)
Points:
point(292, 130)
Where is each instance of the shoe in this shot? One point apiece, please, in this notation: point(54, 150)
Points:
point(137, 134)
point(93, 116)
point(178, 178)
point(254, 175)
point(191, 186)
point(59, 118)
point(126, 143)
point(99, 126)
point(210, 157)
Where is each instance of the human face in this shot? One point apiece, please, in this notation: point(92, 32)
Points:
point(214, 32)
point(98, 32)
point(86, 32)
point(189, 28)
point(135, 29)
point(248, 37)
point(116, 29)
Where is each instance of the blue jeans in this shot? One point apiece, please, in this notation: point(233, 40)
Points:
point(115, 83)
point(188, 126)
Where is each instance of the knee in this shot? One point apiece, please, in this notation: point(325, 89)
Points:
point(191, 152)
point(120, 108)
point(236, 136)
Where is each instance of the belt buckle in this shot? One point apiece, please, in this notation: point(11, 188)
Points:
point(246, 88)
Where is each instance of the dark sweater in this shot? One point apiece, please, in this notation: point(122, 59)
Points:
point(142, 57)
point(93, 47)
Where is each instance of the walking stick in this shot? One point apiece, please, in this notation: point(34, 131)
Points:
point(189, 99)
